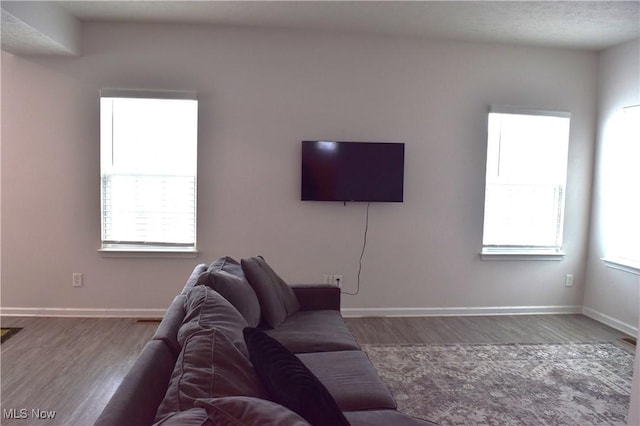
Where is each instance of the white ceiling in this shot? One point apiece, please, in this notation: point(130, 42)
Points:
point(590, 25)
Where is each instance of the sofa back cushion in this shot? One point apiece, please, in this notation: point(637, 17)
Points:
point(206, 310)
point(226, 264)
point(209, 366)
point(277, 299)
point(225, 276)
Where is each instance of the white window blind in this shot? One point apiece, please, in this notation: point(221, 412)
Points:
point(148, 159)
point(525, 180)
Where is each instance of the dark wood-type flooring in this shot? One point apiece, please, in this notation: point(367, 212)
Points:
point(73, 365)
point(481, 329)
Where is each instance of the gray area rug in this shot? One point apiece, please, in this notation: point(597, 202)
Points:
point(509, 384)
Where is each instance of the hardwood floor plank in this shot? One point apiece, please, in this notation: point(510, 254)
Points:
point(481, 329)
point(70, 366)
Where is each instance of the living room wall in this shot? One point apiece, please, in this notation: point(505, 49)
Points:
point(261, 92)
point(612, 295)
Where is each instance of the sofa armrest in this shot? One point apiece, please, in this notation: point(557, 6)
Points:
point(167, 330)
point(138, 396)
point(193, 278)
point(313, 297)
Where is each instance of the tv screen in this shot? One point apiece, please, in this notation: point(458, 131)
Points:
point(352, 171)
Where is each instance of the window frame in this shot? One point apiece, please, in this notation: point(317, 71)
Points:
point(526, 252)
point(142, 249)
point(614, 257)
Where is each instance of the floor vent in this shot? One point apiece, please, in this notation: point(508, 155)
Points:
point(630, 340)
point(147, 320)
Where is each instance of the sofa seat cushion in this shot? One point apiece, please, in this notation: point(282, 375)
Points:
point(247, 411)
point(289, 382)
point(314, 331)
point(383, 418)
point(277, 299)
point(209, 366)
point(220, 276)
point(206, 309)
point(350, 378)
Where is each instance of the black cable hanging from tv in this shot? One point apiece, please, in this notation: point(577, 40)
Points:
point(364, 245)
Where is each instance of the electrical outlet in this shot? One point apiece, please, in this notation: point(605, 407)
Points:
point(337, 280)
point(568, 280)
point(328, 279)
point(77, 279)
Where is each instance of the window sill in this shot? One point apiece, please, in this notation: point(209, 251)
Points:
point(149, 252)
point(505, 253)
point(620, 264)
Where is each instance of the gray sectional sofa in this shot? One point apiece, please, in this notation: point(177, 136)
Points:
point(199, 368)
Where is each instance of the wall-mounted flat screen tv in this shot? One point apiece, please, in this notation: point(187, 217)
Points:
point(352, 171)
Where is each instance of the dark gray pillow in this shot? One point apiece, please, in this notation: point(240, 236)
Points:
point(277, 299)
point(209, 366)
point(237, 290)
point(206, 309)
point(226, 264)
point(289, 382)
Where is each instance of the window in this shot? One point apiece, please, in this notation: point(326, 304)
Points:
point(525, 182)
point(620, 195)
point(148, 162)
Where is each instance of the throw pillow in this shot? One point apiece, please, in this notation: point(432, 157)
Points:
point(289, 382)
point(207, 309)
point(226, 264)
point(277, 299)
point(209, 366)
point(236, 290)
point(247, 411)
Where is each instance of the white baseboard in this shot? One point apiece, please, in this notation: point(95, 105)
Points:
point(461, 311)
point(610, 321)
point(347, 312)
point(82, 313)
